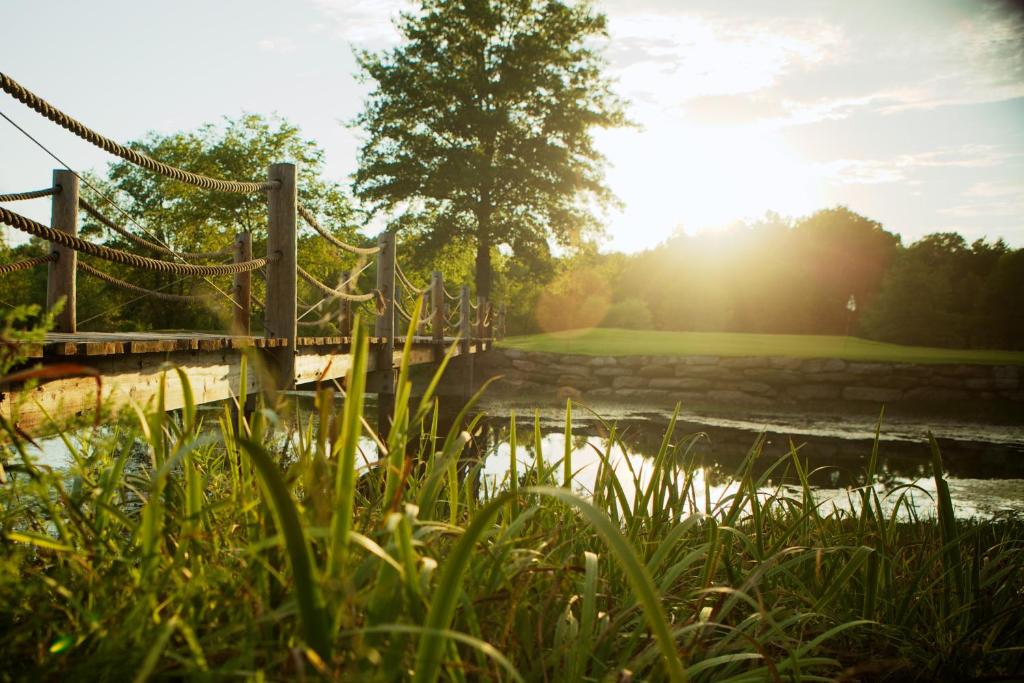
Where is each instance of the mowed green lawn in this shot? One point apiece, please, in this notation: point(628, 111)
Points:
point(614, 342)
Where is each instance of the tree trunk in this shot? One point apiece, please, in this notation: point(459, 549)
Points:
point(483, 267)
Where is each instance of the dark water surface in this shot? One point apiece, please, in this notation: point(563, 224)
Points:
point(984, 463)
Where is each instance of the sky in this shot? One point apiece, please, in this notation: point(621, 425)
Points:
point(910, 112)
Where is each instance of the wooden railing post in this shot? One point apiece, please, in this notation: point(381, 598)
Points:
point(421, 324)
point(242, 286)
point(281, 320)
point(481, 317)
point(345, 307)
point(398, 316)
point(385, 329)
point(60, 281)
point(465, 324)
point(501, 321)
point(437, 303)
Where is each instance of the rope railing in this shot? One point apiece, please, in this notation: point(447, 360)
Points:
point(31, 194)
point(163, 296)
point(142, 242)
point(330, 291)
point(406, 282)
point(26, 264)
point(41, 106)
point(64, 239)
point(310, 219)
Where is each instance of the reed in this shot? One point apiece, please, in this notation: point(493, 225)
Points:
point(170, 548)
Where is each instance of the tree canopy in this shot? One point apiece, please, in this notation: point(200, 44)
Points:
point(479, 125)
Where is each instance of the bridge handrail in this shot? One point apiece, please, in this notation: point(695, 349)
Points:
point(27, 225)
point(164, 296)
point(142, 242)
point(41, 106)
point(336, 293)
point(26, 264)
point(31, 194)
point(310, 219)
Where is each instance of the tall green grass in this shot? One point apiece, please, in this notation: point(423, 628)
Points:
point(265, 548)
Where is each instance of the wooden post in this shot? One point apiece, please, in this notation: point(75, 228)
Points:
point(385, 329)
point(345, 307)
point(398, 316)
point(281, 319)
point(421, 324)
point(437, 303)
point(242, 287)
point(465, 325)
point(501, 321)
point(481, 317)
point(60, 281)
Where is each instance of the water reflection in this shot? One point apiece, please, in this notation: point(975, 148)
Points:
point(984, 463)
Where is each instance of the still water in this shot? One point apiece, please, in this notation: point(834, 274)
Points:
point(984, 463)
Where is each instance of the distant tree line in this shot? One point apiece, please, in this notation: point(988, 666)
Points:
point(833, 272)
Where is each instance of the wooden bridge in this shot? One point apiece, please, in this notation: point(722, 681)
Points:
point(73, 371)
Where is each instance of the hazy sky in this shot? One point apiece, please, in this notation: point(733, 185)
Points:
point(909, 112)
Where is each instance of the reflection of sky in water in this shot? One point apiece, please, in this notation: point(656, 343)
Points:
point(971, 497)
point(985, 463)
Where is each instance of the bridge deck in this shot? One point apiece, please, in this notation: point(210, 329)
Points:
point(118, 343)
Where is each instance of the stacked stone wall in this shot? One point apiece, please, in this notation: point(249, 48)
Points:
point(754, 381)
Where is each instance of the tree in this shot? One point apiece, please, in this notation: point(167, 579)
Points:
point(480, 124)
point(189, 219)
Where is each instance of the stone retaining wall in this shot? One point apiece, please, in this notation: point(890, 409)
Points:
point(754, 381)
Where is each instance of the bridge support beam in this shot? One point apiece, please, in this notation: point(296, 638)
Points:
point(61, 274)
point(281, 319)
point(242, 287)
point(384, 379)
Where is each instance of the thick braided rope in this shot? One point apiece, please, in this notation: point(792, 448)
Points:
point(160, 249)
point(330, 291)
point(116, 255)
point(164, 296)
point(33, 194)
point(30, 99)
point(448, 294)
point(310, 219)
point(27, 263)
point(405, 280)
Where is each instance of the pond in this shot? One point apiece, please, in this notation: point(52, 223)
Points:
point(984, 463)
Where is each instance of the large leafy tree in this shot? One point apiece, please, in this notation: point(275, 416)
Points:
point(189, 219)
point(479, 125)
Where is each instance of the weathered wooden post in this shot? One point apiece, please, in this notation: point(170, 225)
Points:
point(421, 324)
point(465, 324)
point(385, 329)
point(398, 316)
point(501, 321)
point(60, 280)
point(437, 317)
point(281, 319)
point(345, 306)
point(242, 286)
point(481, 317)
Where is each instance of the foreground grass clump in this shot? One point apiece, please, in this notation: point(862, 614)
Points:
point(232, 551)
point(615, 342)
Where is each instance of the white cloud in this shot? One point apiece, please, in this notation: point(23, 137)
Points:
point(365, 23)
point(900, 168)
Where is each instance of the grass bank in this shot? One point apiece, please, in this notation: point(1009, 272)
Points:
point(258, 550)
point(616, 342)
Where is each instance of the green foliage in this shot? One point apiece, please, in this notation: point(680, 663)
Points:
point(189, 219)
point(631, 314)
point(479, 126)
point(167, 549)
point(620, 342)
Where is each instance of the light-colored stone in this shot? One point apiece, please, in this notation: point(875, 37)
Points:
point(743, 362)
point(656, 371)
point(936, 394)
point(513, 354)
point(628, 382)
point(612, 372)
point(702, 360)
point(814, 392)
point(823, 365)
point(785, 363)
point(873, 394)
point(679, 383)
point(526, 365)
